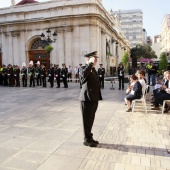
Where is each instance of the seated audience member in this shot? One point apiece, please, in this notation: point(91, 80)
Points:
point(158, 84)
point(163, 94)
point(135, 93)
point(141, 78)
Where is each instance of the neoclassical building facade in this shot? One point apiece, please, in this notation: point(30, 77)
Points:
point(82, 26)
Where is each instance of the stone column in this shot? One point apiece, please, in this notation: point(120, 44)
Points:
point(68, 47)
point(16, 53)
point(103, 47)
point(10, 50)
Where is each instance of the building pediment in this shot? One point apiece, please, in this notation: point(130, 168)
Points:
point(23, 2)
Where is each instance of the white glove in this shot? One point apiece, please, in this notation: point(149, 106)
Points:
point(92, 59)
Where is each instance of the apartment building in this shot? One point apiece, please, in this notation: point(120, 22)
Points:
point(165, 35)
point(156, 45)
point(132, 25)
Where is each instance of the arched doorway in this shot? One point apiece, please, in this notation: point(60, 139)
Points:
point(37, 52)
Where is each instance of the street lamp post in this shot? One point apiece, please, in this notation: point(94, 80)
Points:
point(49, 41)
point(48, 37)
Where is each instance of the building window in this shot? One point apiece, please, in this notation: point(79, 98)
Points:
point(134, 20)
point(134, 37)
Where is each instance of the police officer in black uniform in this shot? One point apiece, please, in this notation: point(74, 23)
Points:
point(43, 75)
point(17, 76)
point(10, 75)
point(101, 73)
point(1, 76)
point(120, 72)
point(38, 76)
point(4, 74)
point(57, 74)
point(64, 73)
point(51, 75)
point(89, 96)
point(31, 72)
point(24, 75)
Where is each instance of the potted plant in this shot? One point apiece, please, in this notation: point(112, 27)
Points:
point(48, 48)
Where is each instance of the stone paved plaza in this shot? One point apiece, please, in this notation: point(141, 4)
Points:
point(41, 129)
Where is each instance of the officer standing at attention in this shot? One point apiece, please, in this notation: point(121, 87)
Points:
point(101, 72)
point(4, 74)
point(10, 75)
point(1, 77)
point(24, 75)
point(57, 74)
point(38, 76)
point(64, 73)
point(43, 75)
point(120, 71)
point(31, 72)
point(89, 96)
point(51, 75)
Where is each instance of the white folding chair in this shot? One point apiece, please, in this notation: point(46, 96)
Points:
point(142, 99)
point(163, 106)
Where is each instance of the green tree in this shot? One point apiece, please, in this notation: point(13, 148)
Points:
point(163, 63)
point(125, 61)
point(141, 50)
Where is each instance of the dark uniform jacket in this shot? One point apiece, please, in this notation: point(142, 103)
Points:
point(90, 84)
point(64, 72)
point(31, 71)
point(10, 72)
point(120, 72)
point(57, 72)
point(101, 72)
point(43, 72)
point(51, 72)
point(16, 72)
point(24, 72)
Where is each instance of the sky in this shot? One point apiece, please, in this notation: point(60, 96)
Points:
point(153, 11)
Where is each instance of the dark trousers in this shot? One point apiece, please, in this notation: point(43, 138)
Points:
point(24, 81)
point(149, 78)
point(159, 99)
point(17, 81)
point(65, 81)
point(11, 83)
point(32, 81)
point(88, 109)
point(121, 82)
point(51, 80)
point(44, 81)
point(58, 81)
point(39, 80)
point(101, 80)
point(1, 79)
point(5, 80)
point(69, 77)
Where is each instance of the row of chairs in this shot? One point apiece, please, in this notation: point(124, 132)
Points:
point(142, 100)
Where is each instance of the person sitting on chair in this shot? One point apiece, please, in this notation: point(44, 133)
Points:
point(135, 93)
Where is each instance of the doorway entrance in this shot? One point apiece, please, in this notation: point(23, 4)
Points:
point(38, 53)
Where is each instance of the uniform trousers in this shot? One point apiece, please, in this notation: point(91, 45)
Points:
point(58, 81)
point(121, 82)
point(101, 80)
point(88, 109)
point(32, 81)
point(24, 81)
point(39, 80)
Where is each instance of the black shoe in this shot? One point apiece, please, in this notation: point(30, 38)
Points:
point(119, 89)
point(95, 141)
point(122, 89)
point(129, 110)
point(91, 144)
point(57, 87)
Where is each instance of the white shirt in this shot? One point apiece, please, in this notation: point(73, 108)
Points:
point(157, 86)
point(142, 82)
point(69, 70)
point(75, 70)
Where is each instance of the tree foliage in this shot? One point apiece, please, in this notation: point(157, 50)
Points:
point(125, 61)
point(141, 50)
point(163, 63)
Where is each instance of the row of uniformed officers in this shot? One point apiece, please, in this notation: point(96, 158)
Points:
point(11, 75)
